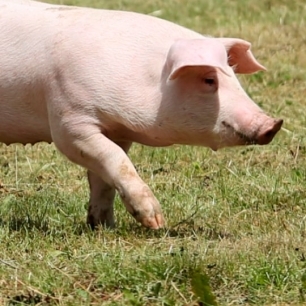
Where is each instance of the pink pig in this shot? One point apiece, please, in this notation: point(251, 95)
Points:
point(94, 81)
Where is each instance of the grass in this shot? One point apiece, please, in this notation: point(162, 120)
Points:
point(236, 218)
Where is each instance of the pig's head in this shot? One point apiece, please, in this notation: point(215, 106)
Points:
point(206, 99)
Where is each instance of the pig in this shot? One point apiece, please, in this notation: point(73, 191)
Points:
point(94, 81)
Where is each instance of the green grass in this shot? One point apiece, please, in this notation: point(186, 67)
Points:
point(236, 218)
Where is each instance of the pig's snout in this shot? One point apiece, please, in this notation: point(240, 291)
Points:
point(261, 135)
point(267, 132)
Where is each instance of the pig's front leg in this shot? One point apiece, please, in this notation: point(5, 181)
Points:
point(101, 202)
point(86, 146)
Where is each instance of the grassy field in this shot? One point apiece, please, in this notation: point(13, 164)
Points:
point(236, 218)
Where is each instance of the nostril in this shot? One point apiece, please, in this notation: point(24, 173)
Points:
point(268, 135)
point(278, 124)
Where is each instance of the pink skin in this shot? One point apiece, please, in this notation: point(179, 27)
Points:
point(94, 81)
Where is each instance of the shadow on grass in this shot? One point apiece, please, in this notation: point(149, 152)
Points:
point(182, 230)
point(28, 225)
point(52, 215)
point(31, 299)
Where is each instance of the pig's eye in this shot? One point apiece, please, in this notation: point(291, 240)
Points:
point(209, 81)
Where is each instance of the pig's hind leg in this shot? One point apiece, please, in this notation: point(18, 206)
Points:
point(101, 201)
point(100, 208)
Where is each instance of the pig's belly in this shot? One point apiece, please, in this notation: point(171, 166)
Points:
point(19, 130)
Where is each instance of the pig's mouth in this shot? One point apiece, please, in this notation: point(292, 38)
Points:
point(243, 137)
point(262, 135)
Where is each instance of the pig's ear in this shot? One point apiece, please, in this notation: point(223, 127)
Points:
point(240, 56)
point(190, 55)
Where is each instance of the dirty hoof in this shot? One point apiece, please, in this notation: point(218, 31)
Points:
point(155, 222)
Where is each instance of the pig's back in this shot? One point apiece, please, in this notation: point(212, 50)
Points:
point(116, 47)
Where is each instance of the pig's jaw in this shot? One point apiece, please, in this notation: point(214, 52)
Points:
point(241, 137)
